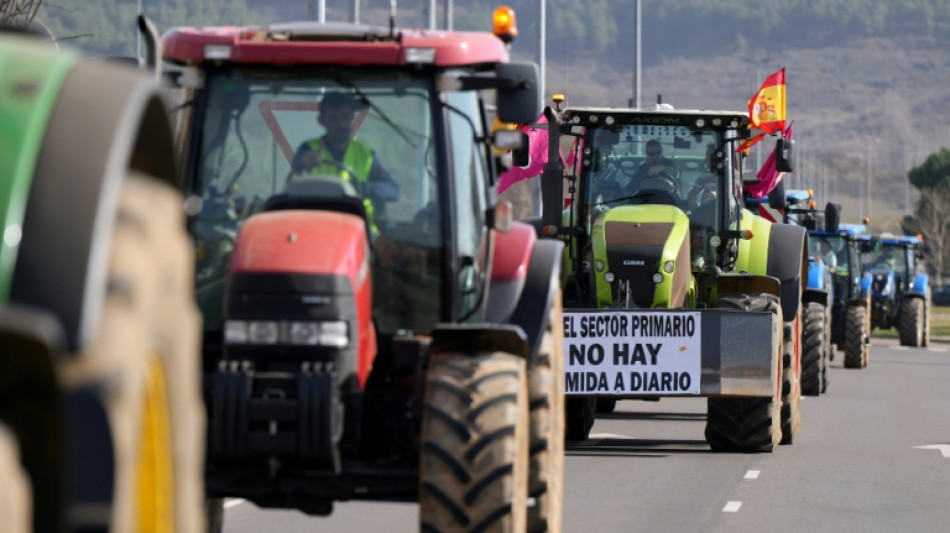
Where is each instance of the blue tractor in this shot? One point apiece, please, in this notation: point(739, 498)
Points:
point(798, 208)
point(840, 245)
point(900, 292)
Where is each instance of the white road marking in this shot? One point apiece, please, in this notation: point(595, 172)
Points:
point(732, 507)
point(944, 449)
point(752, 474)
point(936, 349)
point(602, 436)
point(902, 348)
point(234, 502)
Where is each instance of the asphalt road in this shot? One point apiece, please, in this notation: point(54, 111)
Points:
point(873, 455)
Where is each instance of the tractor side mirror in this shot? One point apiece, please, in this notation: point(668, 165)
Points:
point(832, 217)
point(785, 155)
point(520, 100)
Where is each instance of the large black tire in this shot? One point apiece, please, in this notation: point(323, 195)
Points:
point(855, 337)
point(546, 389)
point(579, 415)
point(828, 353)
point(928, 308)
point(606, 405)
point(15, 496)
point(473, 472)
point(147, 348)
point(910, 327)
point(813, 348)
point(748, 424)
point(791, 381)
point(214, 511)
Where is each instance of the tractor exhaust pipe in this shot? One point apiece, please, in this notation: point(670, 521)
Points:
point(153, 59)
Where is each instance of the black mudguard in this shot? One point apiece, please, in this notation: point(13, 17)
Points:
point(788, 261)
point(540, 289)
point(108, 119)
point(815, 295)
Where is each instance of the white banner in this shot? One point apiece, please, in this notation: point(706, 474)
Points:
point(632, 353)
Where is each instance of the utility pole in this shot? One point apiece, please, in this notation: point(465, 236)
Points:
point(449, 15)
point(635, 101)
point(541, 22)
point(432, 12)
point(356, 12)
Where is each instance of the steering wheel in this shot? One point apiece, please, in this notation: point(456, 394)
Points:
point(666, 174)
point(628, 166)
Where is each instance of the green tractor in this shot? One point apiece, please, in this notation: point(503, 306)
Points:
point(672, 288)
point(101, 421)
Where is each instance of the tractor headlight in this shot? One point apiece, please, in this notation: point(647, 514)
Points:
point(263, 332)
point(657, 278)
point(296, 333)
point(609, 277)
point(668, 267)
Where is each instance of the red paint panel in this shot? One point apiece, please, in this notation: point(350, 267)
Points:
point(513, 253)
point(314, 242)
point(187, 45)
point(307, 242)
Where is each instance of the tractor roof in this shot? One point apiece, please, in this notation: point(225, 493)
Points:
point(857, 231)
point(899, 240)
point(700, 118)
point(314, 43)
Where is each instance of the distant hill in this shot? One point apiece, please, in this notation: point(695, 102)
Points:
point(863, 75)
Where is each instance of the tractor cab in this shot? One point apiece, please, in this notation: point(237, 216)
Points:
point(678, 166)
point(256, 97)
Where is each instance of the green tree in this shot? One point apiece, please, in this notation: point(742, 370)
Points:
point(932, 179)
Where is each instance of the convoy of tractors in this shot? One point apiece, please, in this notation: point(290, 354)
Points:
point(202, 302)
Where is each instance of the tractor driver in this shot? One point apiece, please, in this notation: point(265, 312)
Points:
point(654, 165)
point(337, 153)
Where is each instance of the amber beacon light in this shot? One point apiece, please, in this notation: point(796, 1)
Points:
point(503, 23)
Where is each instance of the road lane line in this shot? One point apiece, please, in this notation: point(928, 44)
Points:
point(752, 474)
point(732, 507)
point(233, 502)
point(901, 348)
point(936, 349)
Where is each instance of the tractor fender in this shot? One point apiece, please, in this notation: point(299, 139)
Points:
point(865, 291)
point(810, 295)
point(107, 120)
point(526, 273)
point(788, 261)
point(817, 275)
point(920, 286)
point(509, 270)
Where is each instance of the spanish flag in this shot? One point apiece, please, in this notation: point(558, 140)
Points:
point(767, 109)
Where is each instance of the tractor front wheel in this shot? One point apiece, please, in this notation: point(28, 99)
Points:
point(473, 471)
point(813, 349)
point(910, 327)
point(856, 337)
point(749, 424)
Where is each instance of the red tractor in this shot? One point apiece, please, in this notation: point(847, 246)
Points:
point(368, 338)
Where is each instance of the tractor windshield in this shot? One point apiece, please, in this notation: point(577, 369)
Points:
point(890, 257)
point(635, 164)
point(841, 257)
point(263, 132)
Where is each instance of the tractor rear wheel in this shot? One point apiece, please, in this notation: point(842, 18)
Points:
point(855, 337)
point(546, 389)
point(579, 415)
point(748, 424)
point(147, 348)
point(473, 471)
point(606, 405)
point(791, 380)
point(813, 349)
point(910, 327)
point(928, 308)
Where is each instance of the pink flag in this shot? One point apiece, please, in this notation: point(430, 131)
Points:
point(537, 152)
point(768, 176)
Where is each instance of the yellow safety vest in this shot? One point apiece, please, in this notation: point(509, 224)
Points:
point(358, 157)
